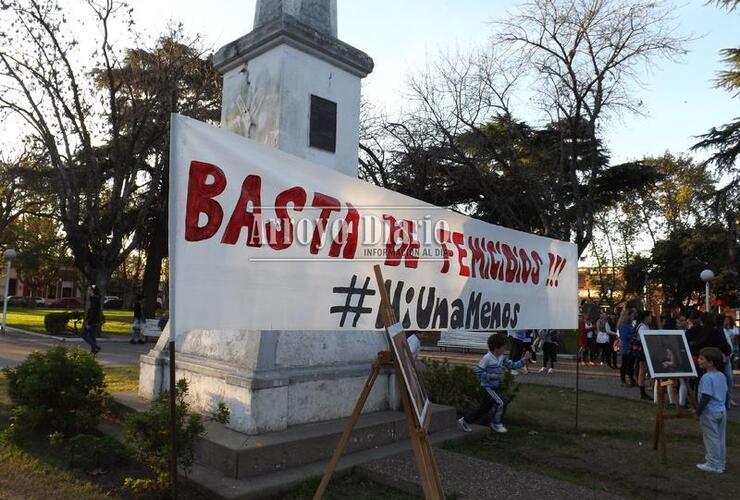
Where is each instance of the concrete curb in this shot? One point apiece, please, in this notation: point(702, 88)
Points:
point(64, 339)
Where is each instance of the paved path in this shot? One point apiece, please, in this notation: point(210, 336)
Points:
point(15, 346)
point(599, 379)
point(473, 478)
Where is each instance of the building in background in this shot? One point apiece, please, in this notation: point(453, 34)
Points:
point(64, 284)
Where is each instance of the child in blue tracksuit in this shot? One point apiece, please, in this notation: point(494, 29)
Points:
point(490, 371)
point(712, 411)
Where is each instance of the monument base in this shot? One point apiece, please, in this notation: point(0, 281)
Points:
point(272, 380)
point(231, 465)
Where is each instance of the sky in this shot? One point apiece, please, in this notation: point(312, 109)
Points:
point(679, 99)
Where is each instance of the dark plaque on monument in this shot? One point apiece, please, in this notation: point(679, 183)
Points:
point(323, 124)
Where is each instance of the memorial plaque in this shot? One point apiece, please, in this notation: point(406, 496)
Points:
point(323, 124)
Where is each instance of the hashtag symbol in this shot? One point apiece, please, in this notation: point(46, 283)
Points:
point(350, 292)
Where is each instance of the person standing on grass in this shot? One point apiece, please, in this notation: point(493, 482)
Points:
point(626, 331)
point(644, 320)
point(611, 321)
point(137, 329)
point(92, 320)
point(603, 330)
point(490, 371)
point(731, 334)
point(712, 411)
point(587, 341)
point(550, 340)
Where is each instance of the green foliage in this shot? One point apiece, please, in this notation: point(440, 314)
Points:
point(149, 434)
point(56, 322)
point(635, 274)
point(222, 414)
point(56, 438)
point(140, 487)
point(89, 452)
point(458, 386)
point(57, 391)
point(11, 435)
point(678, 260)
point(452, 385)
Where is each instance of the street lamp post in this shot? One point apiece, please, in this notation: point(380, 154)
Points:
point(706, 276)
point(9, 255)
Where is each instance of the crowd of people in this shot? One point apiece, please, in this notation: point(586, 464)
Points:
point(702, 330)
point(713, 344)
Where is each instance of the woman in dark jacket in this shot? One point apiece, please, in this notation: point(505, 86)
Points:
point(137, 329)
point(93, 320)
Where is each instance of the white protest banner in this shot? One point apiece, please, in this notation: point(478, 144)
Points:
point(263, 240)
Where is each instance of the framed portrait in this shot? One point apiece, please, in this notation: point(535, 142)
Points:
point(667, 354)
point(411, 379)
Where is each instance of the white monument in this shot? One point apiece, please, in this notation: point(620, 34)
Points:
point(292, 84)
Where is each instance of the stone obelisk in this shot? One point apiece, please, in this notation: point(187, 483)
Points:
point(290, 83)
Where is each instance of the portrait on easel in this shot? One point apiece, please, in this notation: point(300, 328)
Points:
point(413, 382)
point(667, 354)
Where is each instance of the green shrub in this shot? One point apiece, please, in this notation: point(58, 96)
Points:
point(149, 434)
point(95, 452)
point(459, 387)
point(56, 322)
point(222, 414)
point(57, 391)
point(11, 435)
point(451, 385)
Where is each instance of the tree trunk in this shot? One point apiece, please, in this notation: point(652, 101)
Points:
point(155, 254)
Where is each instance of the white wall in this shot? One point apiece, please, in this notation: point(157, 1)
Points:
point(270, 100)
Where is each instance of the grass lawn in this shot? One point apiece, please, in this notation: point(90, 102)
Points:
point(612, 450)
point(28, 474)
point(121, 378)
point(117, 322)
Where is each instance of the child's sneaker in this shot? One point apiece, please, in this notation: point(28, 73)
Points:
point(543, 370)
point(514, 372)
point(499, 428)
point(551, 370)
point(464, 425)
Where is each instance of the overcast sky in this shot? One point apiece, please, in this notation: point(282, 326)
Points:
point(679, 99)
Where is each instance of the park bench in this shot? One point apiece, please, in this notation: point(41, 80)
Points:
point(465, 341)
point(151, 329)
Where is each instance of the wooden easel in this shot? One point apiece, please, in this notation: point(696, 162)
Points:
point(659, 438)
point(425, 463)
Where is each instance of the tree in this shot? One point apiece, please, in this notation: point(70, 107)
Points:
point(677, 199)
point(102, 136)
point(724, 141)
point(101, 199)
point(41, 250)
point(462, 145)
point(586, 57)
point(172, 77)
point(677, 260)
point(19, 193)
